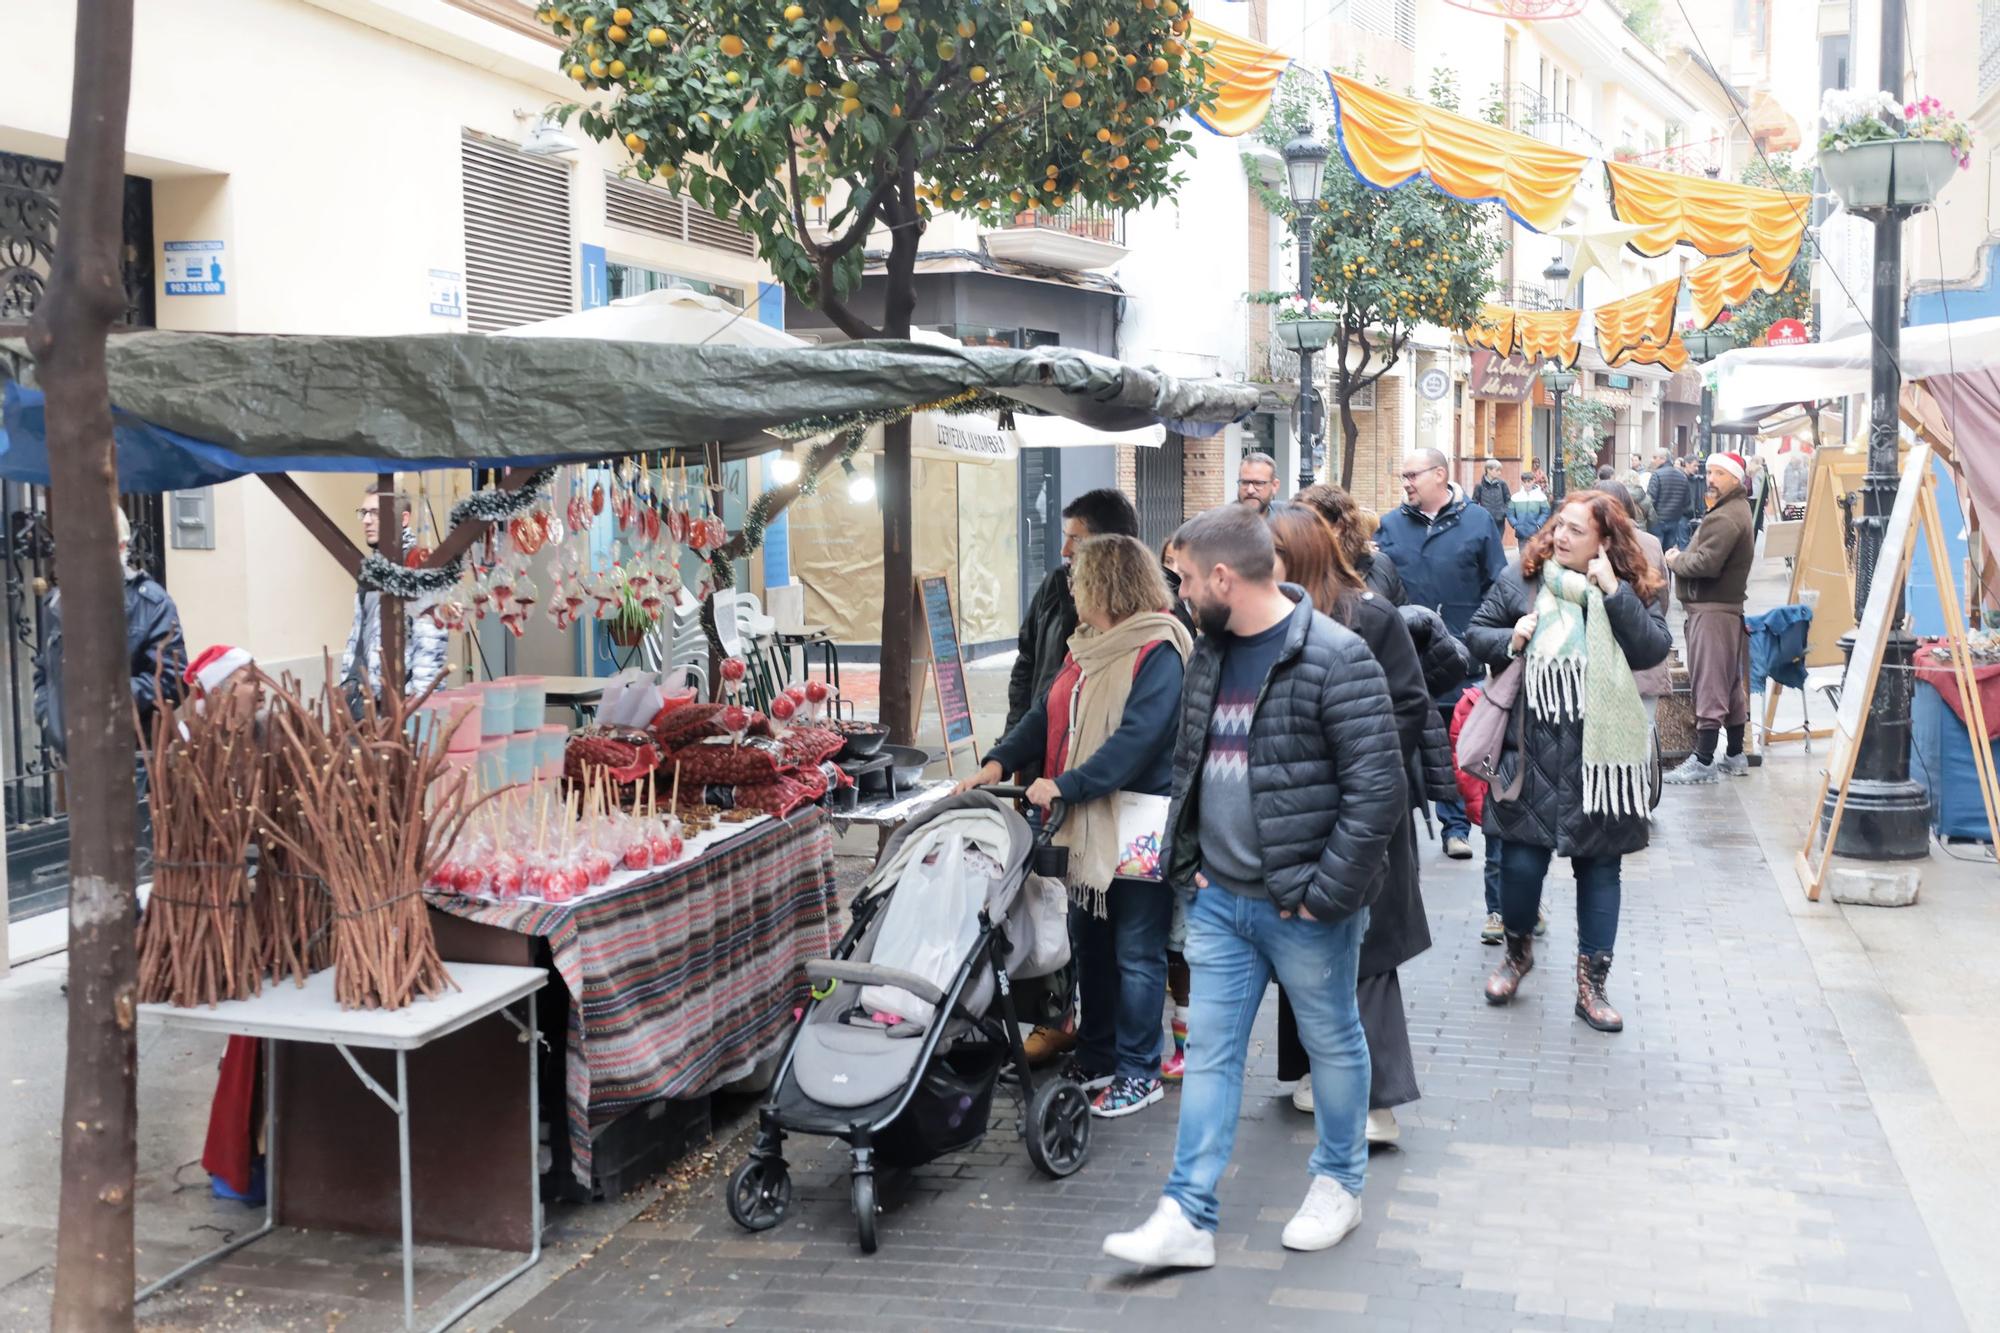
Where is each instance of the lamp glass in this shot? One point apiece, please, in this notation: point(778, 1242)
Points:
point(1305, 169)
point(784, 469)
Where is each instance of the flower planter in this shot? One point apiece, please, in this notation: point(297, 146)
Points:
point(1305, 335)
point(626, 636)
point(1860, 175)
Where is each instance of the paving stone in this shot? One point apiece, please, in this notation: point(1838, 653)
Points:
point(1718, 1166)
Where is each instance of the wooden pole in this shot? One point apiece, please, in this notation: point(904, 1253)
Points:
point(390, 543)
point(86, 295)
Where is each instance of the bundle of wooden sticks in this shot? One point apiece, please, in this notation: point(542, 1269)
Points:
point(350, 816)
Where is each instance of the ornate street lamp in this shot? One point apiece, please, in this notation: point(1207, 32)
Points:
point(1305, 172)
point(1558, 381)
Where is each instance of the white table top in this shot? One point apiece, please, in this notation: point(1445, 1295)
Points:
point(901, 809)
point(565, 690)
point(285, 1012)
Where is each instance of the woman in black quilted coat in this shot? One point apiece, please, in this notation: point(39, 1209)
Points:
point(1397, 929)
point(1584, 571)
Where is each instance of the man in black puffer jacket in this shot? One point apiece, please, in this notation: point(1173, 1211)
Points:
point(1288, 783)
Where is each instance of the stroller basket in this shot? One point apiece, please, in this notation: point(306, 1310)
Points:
point(949, 1111)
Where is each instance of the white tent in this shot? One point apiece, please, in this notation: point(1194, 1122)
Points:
point(1750, 378)
point(678, 315)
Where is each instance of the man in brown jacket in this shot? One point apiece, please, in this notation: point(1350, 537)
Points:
point(1714, 577)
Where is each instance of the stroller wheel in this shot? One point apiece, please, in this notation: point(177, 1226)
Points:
point(760, 1193)
point(864, 1210)
point(1059, 1127)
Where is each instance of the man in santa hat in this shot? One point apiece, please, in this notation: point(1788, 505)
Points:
point(1714, 578)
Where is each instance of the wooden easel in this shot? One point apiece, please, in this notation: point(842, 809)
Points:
point(1916, 510)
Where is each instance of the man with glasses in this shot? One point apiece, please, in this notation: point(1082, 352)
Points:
point(424, 641)
point(1448, 551)
point(1257, 481)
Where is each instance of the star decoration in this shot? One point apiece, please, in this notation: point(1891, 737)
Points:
point(1597, 244)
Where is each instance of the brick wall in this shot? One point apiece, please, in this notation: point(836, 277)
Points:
point(1203, 485)
point(1128, 472)
point(1378, 451)
point(1256, 328)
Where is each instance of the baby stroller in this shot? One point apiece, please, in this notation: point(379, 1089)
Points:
point(912, 1020)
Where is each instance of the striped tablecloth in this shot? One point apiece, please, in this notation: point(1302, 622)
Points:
point(684, 980)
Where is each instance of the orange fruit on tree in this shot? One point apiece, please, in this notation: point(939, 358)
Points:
point(656, 36)
point(1071, 101)
point(1027, 28)
point(816, 201)
point(826, 47)
point(1130, 60)
point(1159, 65)
point(579, 73)
point(977, 73)
point(958, 192)
point(1090, 60)
point(1015, 195)
point(1174, 46)
point(635, 143)
point(771, 43)
point(733, 76)
point(597, 69)
point(795, 66)
point(889, 6)
point(966, 28)
point(615, 33)
point(1152, 144)
point(1144, 85)
point(850, 105)
point(946, 48)
point(893, 22)
point(617, 69)
point(815, 89)
point(1111, 28)
point(850, 89)
point(1104, 136)
point(1121, 162)
point(793, 13)
point(731, 44)
point(670, 171)
point(590, 23)
point(621, 16)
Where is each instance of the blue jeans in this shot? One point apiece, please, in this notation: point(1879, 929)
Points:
point(1493, 846)
point(1453, 822)
point(1234, 946)
point(1122, 967)
point(1522, 870)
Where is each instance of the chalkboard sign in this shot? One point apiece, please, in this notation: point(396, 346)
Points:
point(947, 665)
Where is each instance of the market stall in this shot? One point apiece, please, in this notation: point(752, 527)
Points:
point(675, 887)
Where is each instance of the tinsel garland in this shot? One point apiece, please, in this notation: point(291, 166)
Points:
point(379, 574)
point(970, 400)
point(759, 518)
point(496, 505)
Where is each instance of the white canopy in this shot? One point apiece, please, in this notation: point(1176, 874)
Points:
point(1750, 378)
point(678, 315)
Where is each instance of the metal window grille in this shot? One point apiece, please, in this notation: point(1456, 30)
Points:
point(637, 206)
point(1989, 46)
point(520, 265)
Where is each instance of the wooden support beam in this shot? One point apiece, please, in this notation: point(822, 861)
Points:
point(314, 520)
point(460, 539)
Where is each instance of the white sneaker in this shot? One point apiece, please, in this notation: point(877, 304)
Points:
point(1734, 765)
point(1167, 1240)
point(1324, 1219)
point(1382, 1126)
point(1302, 1095)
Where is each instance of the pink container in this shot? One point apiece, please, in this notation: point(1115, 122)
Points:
point(460, 710)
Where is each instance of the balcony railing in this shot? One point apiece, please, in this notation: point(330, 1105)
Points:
point(1689, 159)
point(1088, 221)
point(1532, 113)
point(1526, 296)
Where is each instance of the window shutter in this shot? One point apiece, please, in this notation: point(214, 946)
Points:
point(519, 263)
point(637, 206)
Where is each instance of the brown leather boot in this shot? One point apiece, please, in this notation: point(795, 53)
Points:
point(1592, 970)
point(1506, 978)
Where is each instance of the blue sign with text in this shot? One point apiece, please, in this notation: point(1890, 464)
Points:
point(194, 268)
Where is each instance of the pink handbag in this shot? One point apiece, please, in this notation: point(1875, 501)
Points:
point(1482, 738)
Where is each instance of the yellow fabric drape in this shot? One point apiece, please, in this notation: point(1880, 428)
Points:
point(1242, 74)
point(1726, 282)
point(1390, 139)
point(1549, 334)
point(1644, 316)
point(1494, 329)
point(1715, 217)
point(1673, 354)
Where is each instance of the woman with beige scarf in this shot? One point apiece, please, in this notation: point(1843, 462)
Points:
point(1105, 727)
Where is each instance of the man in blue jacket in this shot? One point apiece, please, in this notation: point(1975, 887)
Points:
point(1448, 552)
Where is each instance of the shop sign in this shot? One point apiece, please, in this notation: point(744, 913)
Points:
point(1785, 333)
point(1433, 384)
point(1617, 381)
point(1502, 379)
point(447, 293)
point(194, 268)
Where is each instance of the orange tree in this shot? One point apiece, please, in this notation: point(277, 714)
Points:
point(882, 114)
point(1389, 261)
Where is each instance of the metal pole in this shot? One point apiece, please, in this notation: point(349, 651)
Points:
point(1559, 473)
point(1308, 416)
point(1887, 815)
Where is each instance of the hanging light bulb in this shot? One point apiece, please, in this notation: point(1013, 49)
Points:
point(860, 489)
point(784, 469)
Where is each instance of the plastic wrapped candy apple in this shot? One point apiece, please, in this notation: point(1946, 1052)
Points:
point(507, 879)
point(736, 721)
point(597, 868)
point(818, 692)
point(661, 848)
point(782, 710)
point(638, 856)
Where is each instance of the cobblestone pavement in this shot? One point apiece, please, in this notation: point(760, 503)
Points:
point(1718, 1165)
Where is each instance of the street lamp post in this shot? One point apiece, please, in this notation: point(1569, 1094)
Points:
point(1703, 346)
point(1305, 172)
point(1559, 382)
point(1888, 815)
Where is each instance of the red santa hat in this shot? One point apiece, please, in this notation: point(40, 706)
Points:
point(216, 664)
point(1733, 464)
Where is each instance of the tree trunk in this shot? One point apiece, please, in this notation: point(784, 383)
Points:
point(86, 295)
point(1350, 434)
point(892, 489)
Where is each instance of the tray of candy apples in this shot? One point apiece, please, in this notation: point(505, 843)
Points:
point(533, 843)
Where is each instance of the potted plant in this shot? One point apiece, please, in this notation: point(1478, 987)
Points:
point(1709, 343)
point(1878, 154)
point(1304, 325)
point(630, 625)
